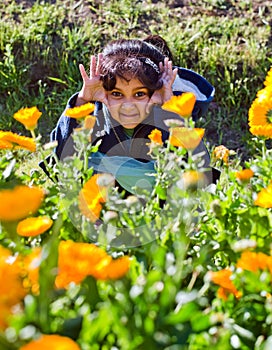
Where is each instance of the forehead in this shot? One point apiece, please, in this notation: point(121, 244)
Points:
point(133, 83)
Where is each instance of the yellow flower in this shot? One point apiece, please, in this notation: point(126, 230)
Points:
point(244, 175)
point(80, 111)
point(52, 342)
point(221, 153)
point(79, 260)
point(268, 79)
point(28, 117)
point(185, 137)
point(259, 114)
point(183, 104)
point(264, 197)
point(156, 137)
point(10, 140)
point(222, 278)
point(19, 202)
point(32, 227)
point(91, 197)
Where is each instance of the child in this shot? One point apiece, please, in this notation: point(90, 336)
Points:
point(128, 83)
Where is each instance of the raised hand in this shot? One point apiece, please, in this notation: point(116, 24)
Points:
point(168, 77)
point(92, 89)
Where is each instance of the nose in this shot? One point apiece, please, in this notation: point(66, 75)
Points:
point(128, 105)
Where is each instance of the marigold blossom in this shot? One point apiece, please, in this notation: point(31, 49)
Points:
point(244, 175)
point(260, 114)
point(156, 137)
point(19, 202)
point(12, 291)
point(30, 264)
point(78, 260)
point(186, 137)
point(182, 105)
point(221, 153)
point(268, 79)
point(191, 179)
point(10, 140)
point(35, 226)
point(28, 117)
point(91, 197)
point(222, 278)
point(89, 122)
point(252, 261)
point(53, 342)
point(264, 197)
point(80, 111)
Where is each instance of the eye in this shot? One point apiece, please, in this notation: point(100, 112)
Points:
point(140, 94)
point(116, 94)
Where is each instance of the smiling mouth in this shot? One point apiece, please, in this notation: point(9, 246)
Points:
point(128, 115)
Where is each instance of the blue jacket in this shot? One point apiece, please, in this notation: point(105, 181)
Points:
point(114, 142)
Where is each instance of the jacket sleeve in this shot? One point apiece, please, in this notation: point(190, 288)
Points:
point(64, 129)
point(190, 81)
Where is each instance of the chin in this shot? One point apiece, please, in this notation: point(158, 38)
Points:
point(129, 125)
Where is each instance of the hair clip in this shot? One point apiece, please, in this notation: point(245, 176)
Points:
point(148, 61)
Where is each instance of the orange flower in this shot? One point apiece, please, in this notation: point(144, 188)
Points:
point(51, 341)
point(259, 114)
point(79, 260)
point(117, 268)
point(244, 175)
point(185, 137)
point(80, 111)
point(89, 122)
point(30, 270)
point(264, 197)
point(252, 261)
point(32, 227)
point(192, 179)
point(28, 117)
point(19, 202)
point(91, 198)
point(9, 140)
point(12, 291)
point(221, 153)
point(222, 278)
point(268, 79)
point(183, 104)
point(156, 137)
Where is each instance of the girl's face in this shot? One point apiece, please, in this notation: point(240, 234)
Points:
point(127, 102)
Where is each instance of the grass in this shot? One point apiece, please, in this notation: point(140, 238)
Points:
point(42, 43)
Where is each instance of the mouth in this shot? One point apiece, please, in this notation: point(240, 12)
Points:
point(122, 115)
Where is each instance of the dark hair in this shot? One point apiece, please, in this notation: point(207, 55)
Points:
point(160, 44)
point(131, 58)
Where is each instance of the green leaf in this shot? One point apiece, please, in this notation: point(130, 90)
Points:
point(183, 315)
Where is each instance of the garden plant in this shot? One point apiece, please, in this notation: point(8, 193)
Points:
point(109, 271)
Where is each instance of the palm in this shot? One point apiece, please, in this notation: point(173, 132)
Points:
point(92, 89)
point(168, 77)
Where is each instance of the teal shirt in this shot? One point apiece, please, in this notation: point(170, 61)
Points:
point(130, 173)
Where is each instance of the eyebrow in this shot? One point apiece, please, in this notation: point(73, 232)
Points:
point(136, 88)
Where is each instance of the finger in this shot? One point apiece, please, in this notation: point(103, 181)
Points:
point(175, 72)
point(99, 61)
point(92, 66)
point(83, 73)
point(161, 67)
point(166, 60)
